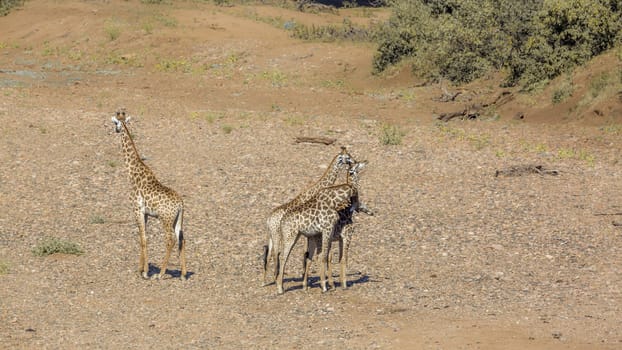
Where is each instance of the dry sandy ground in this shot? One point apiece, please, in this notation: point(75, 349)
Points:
point(455, 258)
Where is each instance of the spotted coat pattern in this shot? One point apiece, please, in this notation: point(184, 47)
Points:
point(316, 217)
point(340, 162)
point(151, 199)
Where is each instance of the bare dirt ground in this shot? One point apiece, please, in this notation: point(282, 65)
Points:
point(455, 257)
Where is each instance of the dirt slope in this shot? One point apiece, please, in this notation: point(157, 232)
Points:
point(455, 258)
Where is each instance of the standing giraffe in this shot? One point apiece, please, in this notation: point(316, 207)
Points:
point(339, 162)
point(316, 217)
point(342, 233)
point(151, 198)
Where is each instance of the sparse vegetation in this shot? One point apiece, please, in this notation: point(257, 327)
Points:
point(599, 83)
point(174, 65)
point(4, 267)
point(7, 5)
point(391, 135)
point(615, 129)
point(209, 116)
point(346, 31)
point(97, 219)
point(275, 77)
point(227, 129)
point(563, 92)
point(583, 155)
point(54, 245)
point(166, 20)
point(112, 29)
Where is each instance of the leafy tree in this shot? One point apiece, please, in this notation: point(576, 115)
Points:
point(567, 33)
point(531, 40)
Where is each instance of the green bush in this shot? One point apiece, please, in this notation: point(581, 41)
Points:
point(530, 40)
point(398, 37)
point(51, 246)
point(567, 33)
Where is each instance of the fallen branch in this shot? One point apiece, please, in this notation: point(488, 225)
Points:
point(473, 111)
point(317, 139)
point(520, 170)
point(448, 96)
point(606, 214)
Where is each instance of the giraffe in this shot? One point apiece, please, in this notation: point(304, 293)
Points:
point(151, 198)
point(339, 162)
point(316, 217)
point(343, 232)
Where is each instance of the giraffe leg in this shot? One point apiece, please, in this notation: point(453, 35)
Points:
point(344, 245)
point(323, 257)
point(329, 264)
point(288, 244)
point(305, 270)
point(181, 242)
point(277, 246)
point(170, 243)
point(143, 264)
point(182, 257)
point(312, 246)
point(268, 256)
point(264, 258)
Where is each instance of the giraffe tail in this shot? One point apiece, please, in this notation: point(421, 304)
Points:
point(178, 228)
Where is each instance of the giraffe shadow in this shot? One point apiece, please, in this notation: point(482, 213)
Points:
point(154, 270)
point(314, 282)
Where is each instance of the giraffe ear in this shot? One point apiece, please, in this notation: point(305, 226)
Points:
point(127, 120)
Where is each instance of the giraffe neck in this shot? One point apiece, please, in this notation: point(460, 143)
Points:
point(330, 175)
point(135, 165)
point(336, 197)
point(327, 179)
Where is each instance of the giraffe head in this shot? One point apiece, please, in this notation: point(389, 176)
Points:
point(119, 119)
point(344, 158)
point(355, 170)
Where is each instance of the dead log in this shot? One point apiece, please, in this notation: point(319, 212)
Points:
point(469, 113)
point(520, 170)
point(448, 96)
point(473, 111)
point(315, 139)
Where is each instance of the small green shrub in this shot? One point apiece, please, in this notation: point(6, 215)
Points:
point(97, 219)
point(227, 129)
point(113, 31)
point(599, 84)
point(167, 21)
point(55, 245)
point(4, 268)
point(564, 91)
point(174, 65)
point(391, 135)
